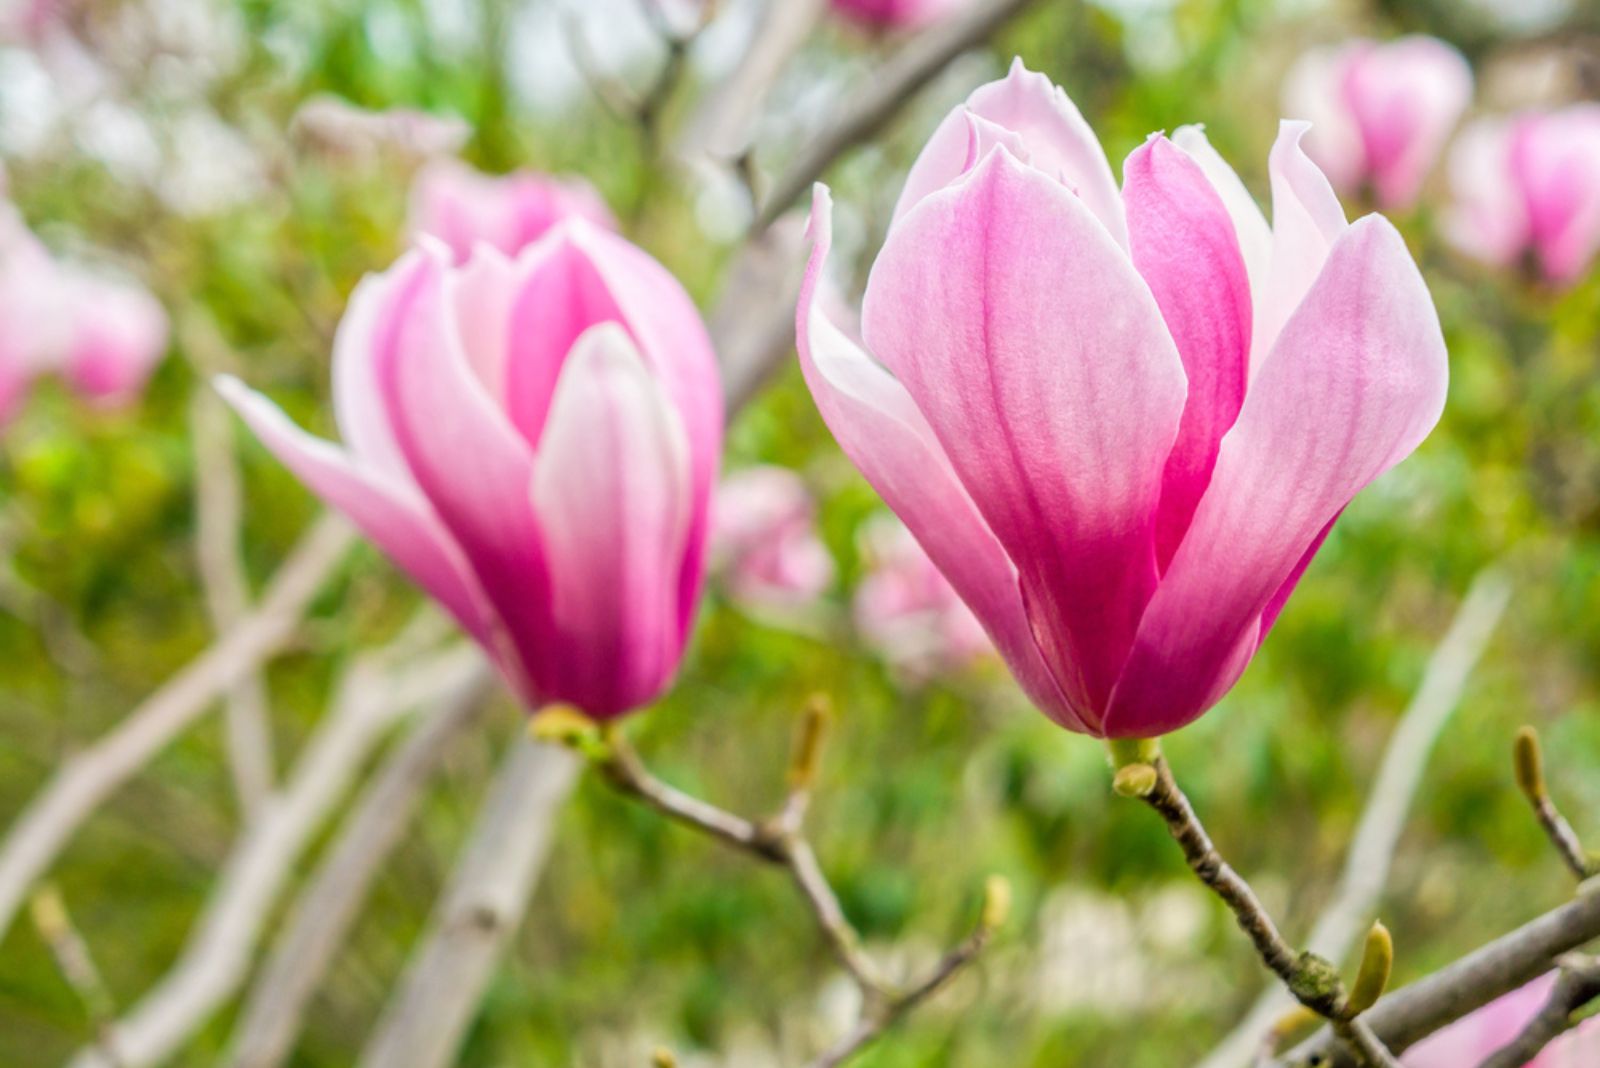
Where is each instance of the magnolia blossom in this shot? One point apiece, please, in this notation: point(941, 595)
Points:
point(463, 207)
point(102, 335)
point(1121, 423)
point(1473, 1038)
point(535, 442)
point(1529, 187)
point(1380, 113)
point(765, 539)
point(897, 14)
point(907, 610)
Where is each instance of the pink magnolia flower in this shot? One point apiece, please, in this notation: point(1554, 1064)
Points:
point(1380, 113)
point(103, 335)
point(765, 539)
point(534, 441)
point(1121, 424)
point(897, 14)
point(118, 336)
point(463, 207)
point(1471, 1039)
point(907, 610)
point(1529, 186)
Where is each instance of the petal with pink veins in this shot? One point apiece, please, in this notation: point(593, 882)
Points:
point(1353, 385)
point(1040, 359)
point(879, 428)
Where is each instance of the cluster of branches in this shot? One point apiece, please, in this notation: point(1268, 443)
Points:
point(436, 689)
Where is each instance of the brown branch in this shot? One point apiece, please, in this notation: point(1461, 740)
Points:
point(781, 841)
point(1410, 1014)
point(1576, 986)
point(1312, 980)
point(1529, 762)
point(1405, 758)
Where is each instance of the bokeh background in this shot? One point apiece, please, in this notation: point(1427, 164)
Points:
point(180, 167)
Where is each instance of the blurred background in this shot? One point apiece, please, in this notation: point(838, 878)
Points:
point(228, 159)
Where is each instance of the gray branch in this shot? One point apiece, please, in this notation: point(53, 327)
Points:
point(489, 890)
point(330, 903)
point(1366, 869)
point(85, 780)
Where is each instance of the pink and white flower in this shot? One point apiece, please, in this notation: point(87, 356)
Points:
point(1121, 422)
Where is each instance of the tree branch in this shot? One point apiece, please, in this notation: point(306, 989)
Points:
point(1529, 760)
point(1411, 1013)
point(1366, 867)
point(1313, 981)
point(86, 779)
point(892, 84)
point(328, 906)
point(217, 520)
point(370, 696)
point(781, 841)
point(1576, 986)
point(425, 1020)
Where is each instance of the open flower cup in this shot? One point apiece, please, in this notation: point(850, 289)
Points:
point(1121, 422)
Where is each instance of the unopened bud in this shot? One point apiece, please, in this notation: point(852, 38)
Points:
point(996, 902)
point(1529, 760)
point(1377, 961)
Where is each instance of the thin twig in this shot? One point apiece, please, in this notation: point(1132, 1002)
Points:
point(218, 517)
point(1311, 979)
point(1577, 984)
point(328, 906)
point(1366, 866)
point(1529, 761)
point(1410, 1014)
point(86, 779)
point(77, 967)
point(372, 694)
point(781, 841)
point(892, 84)
point(425, 1020)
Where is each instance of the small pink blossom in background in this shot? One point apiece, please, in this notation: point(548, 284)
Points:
point(535, 442)
point(765, 540)
point(1121, 422)
point(907, 610)
point(119, 336)
point(339, 129)
point(102, 335)
point(1380, 113)
point(1473, 1038)
point(897, 14)
point(462, 207)
point(1528, 187)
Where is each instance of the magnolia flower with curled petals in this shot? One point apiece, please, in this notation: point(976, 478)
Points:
point(1121, 423)
point(1471, 1039)
point(907, 610)
point(534, 441)
point(765, 540)
point(897, 14)
point(1380, 113)
point(462, 208)
point(1528, 188)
